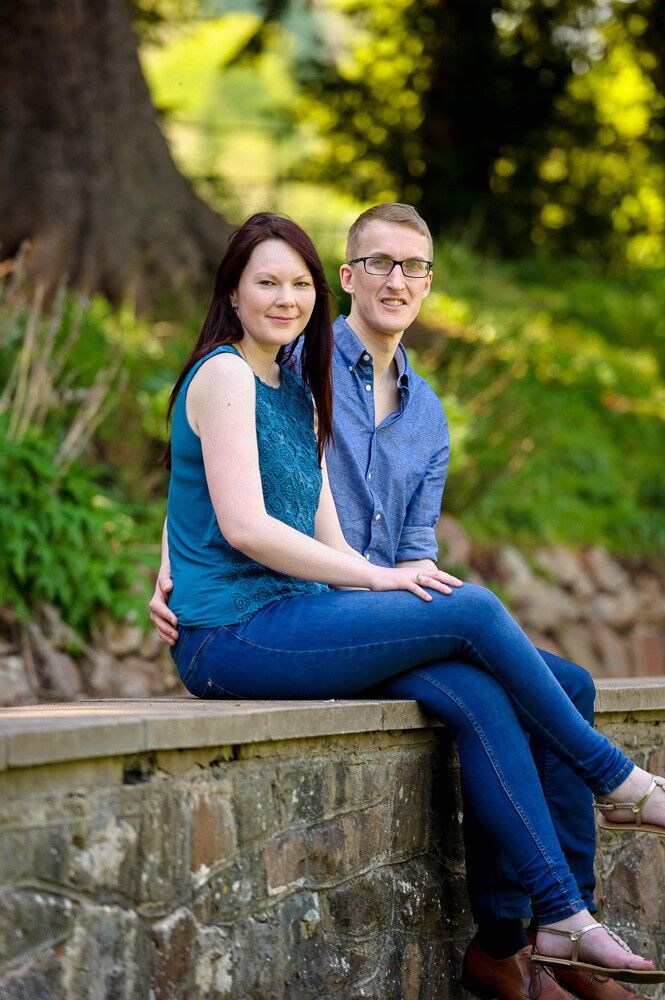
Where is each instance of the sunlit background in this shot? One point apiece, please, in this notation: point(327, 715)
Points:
point(531, 136)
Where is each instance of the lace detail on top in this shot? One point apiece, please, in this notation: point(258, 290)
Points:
point(219, 584)
point(291, 480)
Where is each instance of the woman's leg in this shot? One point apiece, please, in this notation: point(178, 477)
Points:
point(337, 644)
point(498, 775)
point(495, 890)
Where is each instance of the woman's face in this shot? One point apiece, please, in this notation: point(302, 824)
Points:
point(275, 295)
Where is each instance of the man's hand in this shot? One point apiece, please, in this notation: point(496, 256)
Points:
point(163, 618)
point(421, 564)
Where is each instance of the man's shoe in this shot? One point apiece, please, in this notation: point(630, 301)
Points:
point(586, 986)
point(514, 978)
point(592, 987)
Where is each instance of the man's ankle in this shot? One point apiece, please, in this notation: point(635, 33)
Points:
point(501, 938)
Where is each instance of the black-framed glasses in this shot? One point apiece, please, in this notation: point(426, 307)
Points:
point(413, 267)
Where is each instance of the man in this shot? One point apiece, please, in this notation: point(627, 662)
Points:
point(387, 473)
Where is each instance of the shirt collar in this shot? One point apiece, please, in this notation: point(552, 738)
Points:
point(353, 350)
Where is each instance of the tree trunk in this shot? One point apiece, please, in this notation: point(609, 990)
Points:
point(85, 174)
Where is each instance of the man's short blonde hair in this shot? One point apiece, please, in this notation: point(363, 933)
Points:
point(403, 215)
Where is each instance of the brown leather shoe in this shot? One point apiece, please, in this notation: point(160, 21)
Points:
point(514, 978)
point(590, 987)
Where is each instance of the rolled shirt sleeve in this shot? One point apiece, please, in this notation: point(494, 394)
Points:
point(418, 537)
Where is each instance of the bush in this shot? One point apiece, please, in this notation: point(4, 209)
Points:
point(69, 537)
point(64, 541)
point(552, 375)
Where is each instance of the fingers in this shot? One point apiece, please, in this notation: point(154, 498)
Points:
point(164, 630)
point(419, 592)
point(163, 618)
point(436, 580)
point(433, 584)
point(160, 610)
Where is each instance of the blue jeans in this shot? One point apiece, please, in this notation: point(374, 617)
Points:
point(341, 644)
point(494, 887)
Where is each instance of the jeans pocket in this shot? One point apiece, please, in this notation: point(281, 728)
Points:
point(212, 690)
point(194, 671)
point(176, 650)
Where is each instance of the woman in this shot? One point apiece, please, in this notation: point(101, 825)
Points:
point(273, 603)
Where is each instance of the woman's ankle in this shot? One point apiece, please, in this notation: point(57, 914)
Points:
point(574, 922)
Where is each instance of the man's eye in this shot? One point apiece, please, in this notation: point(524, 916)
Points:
point(379, 261)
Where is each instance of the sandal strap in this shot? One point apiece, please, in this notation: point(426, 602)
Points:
point(635, 807)
point(575, 937)
point(619, 940)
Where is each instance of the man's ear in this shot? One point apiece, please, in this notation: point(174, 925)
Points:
point(346, 278)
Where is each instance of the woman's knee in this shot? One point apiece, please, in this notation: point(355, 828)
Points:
point(479, 604)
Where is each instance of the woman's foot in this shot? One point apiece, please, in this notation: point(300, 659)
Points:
point(633, 789)
point(597, 946)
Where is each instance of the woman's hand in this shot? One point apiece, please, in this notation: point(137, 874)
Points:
point(162, 617)
point(415, 580)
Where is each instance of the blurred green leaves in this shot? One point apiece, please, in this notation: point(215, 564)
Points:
point(537, 123)
point(552, 374)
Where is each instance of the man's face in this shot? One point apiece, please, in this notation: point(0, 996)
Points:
point(386, 304)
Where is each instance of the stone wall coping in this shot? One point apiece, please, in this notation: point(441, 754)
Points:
point(52, 733)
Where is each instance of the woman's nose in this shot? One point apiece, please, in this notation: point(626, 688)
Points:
point(285, 295)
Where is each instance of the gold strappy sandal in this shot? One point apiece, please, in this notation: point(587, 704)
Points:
point(624, 975)
point(635, 807)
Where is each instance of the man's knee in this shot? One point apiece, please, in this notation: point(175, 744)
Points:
point(577, 682)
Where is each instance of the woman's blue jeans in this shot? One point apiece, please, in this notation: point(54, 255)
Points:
point(341, 644)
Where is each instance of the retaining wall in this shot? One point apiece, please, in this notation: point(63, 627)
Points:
point(182, 849)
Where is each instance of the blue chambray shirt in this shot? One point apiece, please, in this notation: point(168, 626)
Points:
point(387, 481)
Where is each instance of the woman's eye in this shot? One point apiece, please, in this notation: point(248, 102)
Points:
point(304, 284)
point(266, 281)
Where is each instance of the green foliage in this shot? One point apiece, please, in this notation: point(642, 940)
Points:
point(64, 541)
point(519, 123)
point(68, 536)
point(553, 376)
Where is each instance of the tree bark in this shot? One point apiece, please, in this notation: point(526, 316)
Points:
point(86, 176)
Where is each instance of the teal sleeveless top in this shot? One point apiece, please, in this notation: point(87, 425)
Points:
point(214, 583)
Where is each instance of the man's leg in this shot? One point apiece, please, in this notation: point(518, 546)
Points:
point(498, 901)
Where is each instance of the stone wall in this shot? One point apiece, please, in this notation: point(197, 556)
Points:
point(179, 849)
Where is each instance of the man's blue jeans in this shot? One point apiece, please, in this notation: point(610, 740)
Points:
point(345, 643)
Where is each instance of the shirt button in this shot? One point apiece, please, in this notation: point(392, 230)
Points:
point(377, 517)
point(369, 476)
point(367, 556)
point(350, 368)
point(368, 387)
point(366, 357)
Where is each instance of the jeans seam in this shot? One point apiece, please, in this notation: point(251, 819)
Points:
point(334, 649)
point(480, 733)
point(195, 658)
point(599, 790)
point(537, 722)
